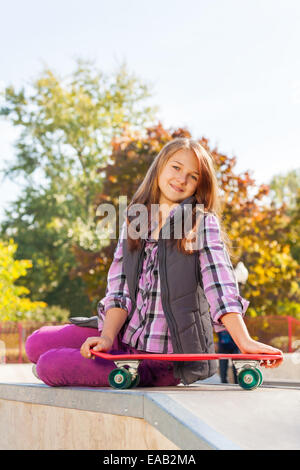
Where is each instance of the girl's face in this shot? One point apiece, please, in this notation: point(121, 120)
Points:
point(179, 178)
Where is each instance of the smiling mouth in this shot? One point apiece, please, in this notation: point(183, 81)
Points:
point(176, 189)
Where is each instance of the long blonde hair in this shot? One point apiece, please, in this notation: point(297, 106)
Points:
point(207, 192)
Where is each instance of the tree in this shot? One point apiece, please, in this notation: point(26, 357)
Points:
point(295, 229)
point(284, 188)
point(66, 128)
point(14, 301)
point(260, 234)
point(286, 192)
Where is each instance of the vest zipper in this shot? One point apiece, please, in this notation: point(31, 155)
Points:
point(170, 321)
point(166, 302)
point(133, 300)
point(138, 273)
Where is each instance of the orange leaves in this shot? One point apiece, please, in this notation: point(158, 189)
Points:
point(112, 178)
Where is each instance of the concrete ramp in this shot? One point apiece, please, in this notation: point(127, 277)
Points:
point(206, 416)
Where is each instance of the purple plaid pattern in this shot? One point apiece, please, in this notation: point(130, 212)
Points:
point(147, 329)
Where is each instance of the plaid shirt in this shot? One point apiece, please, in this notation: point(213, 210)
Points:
point(147, 329)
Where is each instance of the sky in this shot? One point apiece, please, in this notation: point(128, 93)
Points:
point(227, 70)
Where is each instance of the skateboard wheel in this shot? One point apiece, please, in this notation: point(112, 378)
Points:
point(119, 378)
point(135, 381)
point(249, 378)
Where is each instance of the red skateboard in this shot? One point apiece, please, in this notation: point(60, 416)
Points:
point(126, 375)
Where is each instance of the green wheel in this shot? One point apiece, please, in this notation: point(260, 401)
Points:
point(261, 378)
point(249, 378)
point(135, 381)
point(119, 378)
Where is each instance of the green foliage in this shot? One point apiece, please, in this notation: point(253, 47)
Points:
point(50, 314)
point(284, 188)
point(288, 308)
point(14, 303)
point(294, 227)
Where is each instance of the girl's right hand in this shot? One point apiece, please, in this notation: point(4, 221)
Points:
point(102, 343)
point(255, 347)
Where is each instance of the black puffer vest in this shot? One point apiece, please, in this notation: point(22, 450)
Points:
point(183, 300)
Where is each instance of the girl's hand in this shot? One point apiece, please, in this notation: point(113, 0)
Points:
point(102, 343)
point(254, 347)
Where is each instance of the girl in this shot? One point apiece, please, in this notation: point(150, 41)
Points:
point(162, 296)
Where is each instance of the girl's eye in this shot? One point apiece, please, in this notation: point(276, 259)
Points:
point(195, 177)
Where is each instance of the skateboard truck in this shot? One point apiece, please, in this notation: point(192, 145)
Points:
point(126, 375)
point(249, 375)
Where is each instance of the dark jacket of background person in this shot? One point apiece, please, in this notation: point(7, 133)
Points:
point(226, 345)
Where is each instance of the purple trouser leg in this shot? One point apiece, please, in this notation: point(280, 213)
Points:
point(56, 352)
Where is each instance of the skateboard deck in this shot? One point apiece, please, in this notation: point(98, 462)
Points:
point(126, 375)
point(186, 357)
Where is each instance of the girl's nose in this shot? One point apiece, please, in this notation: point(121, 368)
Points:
point(181, 179)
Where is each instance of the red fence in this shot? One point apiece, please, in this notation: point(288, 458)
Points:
point(12, 340)
point(280, 332)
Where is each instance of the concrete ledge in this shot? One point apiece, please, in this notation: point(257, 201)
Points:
point(282, 383)
point(153, 414)
point(199, 416)
point(182, 426)
point(87, 399)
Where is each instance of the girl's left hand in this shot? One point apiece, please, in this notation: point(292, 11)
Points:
point(255, 347)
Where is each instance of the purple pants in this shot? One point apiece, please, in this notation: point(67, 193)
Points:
point(56, 352)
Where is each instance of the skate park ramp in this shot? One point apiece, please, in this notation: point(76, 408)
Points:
point(200, 416)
